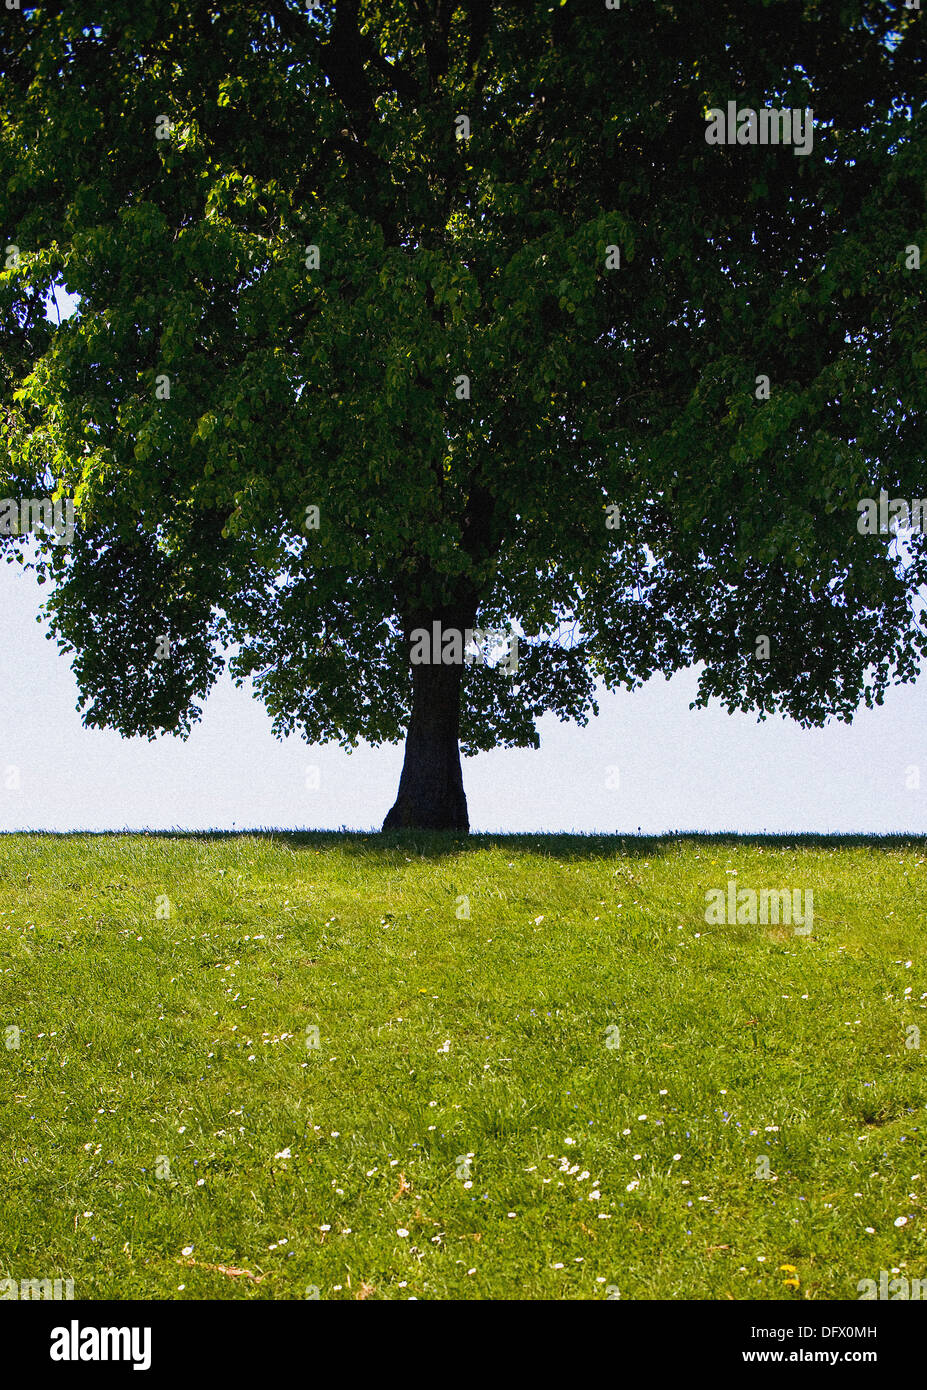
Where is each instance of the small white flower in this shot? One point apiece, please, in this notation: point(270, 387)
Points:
point(325, 1228)
point(187, 1250)
point(901, 1221)
point(402, 1232)
point(676, 1157)
point(557, 1266)
point(569, 1141)
point(635, 1182)
point(284, 1153)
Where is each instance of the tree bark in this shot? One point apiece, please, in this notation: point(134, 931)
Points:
point(431, 794)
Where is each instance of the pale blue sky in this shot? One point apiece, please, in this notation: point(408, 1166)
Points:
point(678, 769)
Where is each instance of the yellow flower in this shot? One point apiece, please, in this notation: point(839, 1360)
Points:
point(789, 1269)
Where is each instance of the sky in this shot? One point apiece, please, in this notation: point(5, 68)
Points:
point(646, 762)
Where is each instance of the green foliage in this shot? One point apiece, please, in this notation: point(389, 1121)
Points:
point(292, 386)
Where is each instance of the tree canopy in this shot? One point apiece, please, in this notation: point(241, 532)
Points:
point(469, 279)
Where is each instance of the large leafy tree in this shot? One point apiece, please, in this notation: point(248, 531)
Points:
point(288, 251)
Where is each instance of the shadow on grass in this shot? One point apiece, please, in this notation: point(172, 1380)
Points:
point(445, 844)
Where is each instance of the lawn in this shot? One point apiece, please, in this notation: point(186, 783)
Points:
point(280, 1066)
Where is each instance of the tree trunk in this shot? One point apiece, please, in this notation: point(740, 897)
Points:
point(431, 794)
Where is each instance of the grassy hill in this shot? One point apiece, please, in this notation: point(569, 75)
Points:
point(287, 1065)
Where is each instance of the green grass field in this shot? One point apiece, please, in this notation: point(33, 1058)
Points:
point(568, 1094)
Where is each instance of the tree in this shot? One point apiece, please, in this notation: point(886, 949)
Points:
point(477, 282)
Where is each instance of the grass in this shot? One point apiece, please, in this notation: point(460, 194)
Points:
point(170, 1131)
